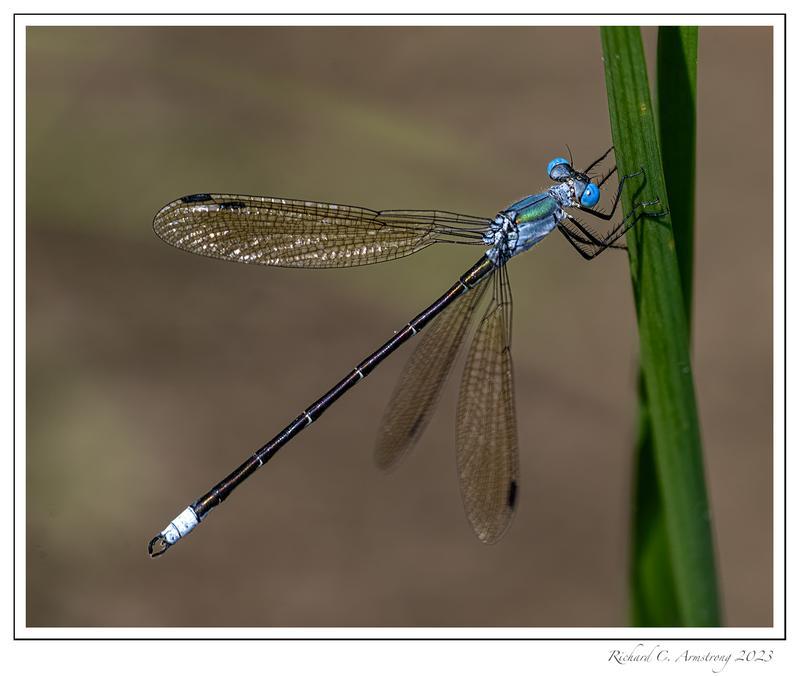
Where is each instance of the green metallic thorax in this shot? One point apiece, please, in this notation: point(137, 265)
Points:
point(534, 208)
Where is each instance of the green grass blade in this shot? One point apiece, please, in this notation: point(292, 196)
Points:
point(653, 593)
point(677, 122)
point(654, 597)
point(663, 334)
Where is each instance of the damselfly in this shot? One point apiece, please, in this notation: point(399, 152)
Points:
point(300, 234)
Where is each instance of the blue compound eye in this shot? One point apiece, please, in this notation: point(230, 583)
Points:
point(590, 196)
point(561, 167)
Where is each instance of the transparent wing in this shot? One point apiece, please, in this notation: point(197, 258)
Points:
point(486, 426)
point(300, 234)
point(417, 392)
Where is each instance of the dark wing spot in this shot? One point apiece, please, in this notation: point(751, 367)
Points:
point(414, 428)
point(512, 494)
point(232, 205)
point(199, 197)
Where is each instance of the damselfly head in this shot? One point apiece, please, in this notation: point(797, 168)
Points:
point(584, 193)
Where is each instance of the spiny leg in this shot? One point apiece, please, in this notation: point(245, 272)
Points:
point(583, 240)
point(619, 229)
point(607, 176)
point(573, 240)
point(608, 216)
point(598, 160)
point(598, 246)
point(578, 243)
point(622, 227)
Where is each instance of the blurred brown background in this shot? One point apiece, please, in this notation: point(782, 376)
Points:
point(152, 373)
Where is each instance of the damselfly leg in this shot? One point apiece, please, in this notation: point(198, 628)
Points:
point(590, 245)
